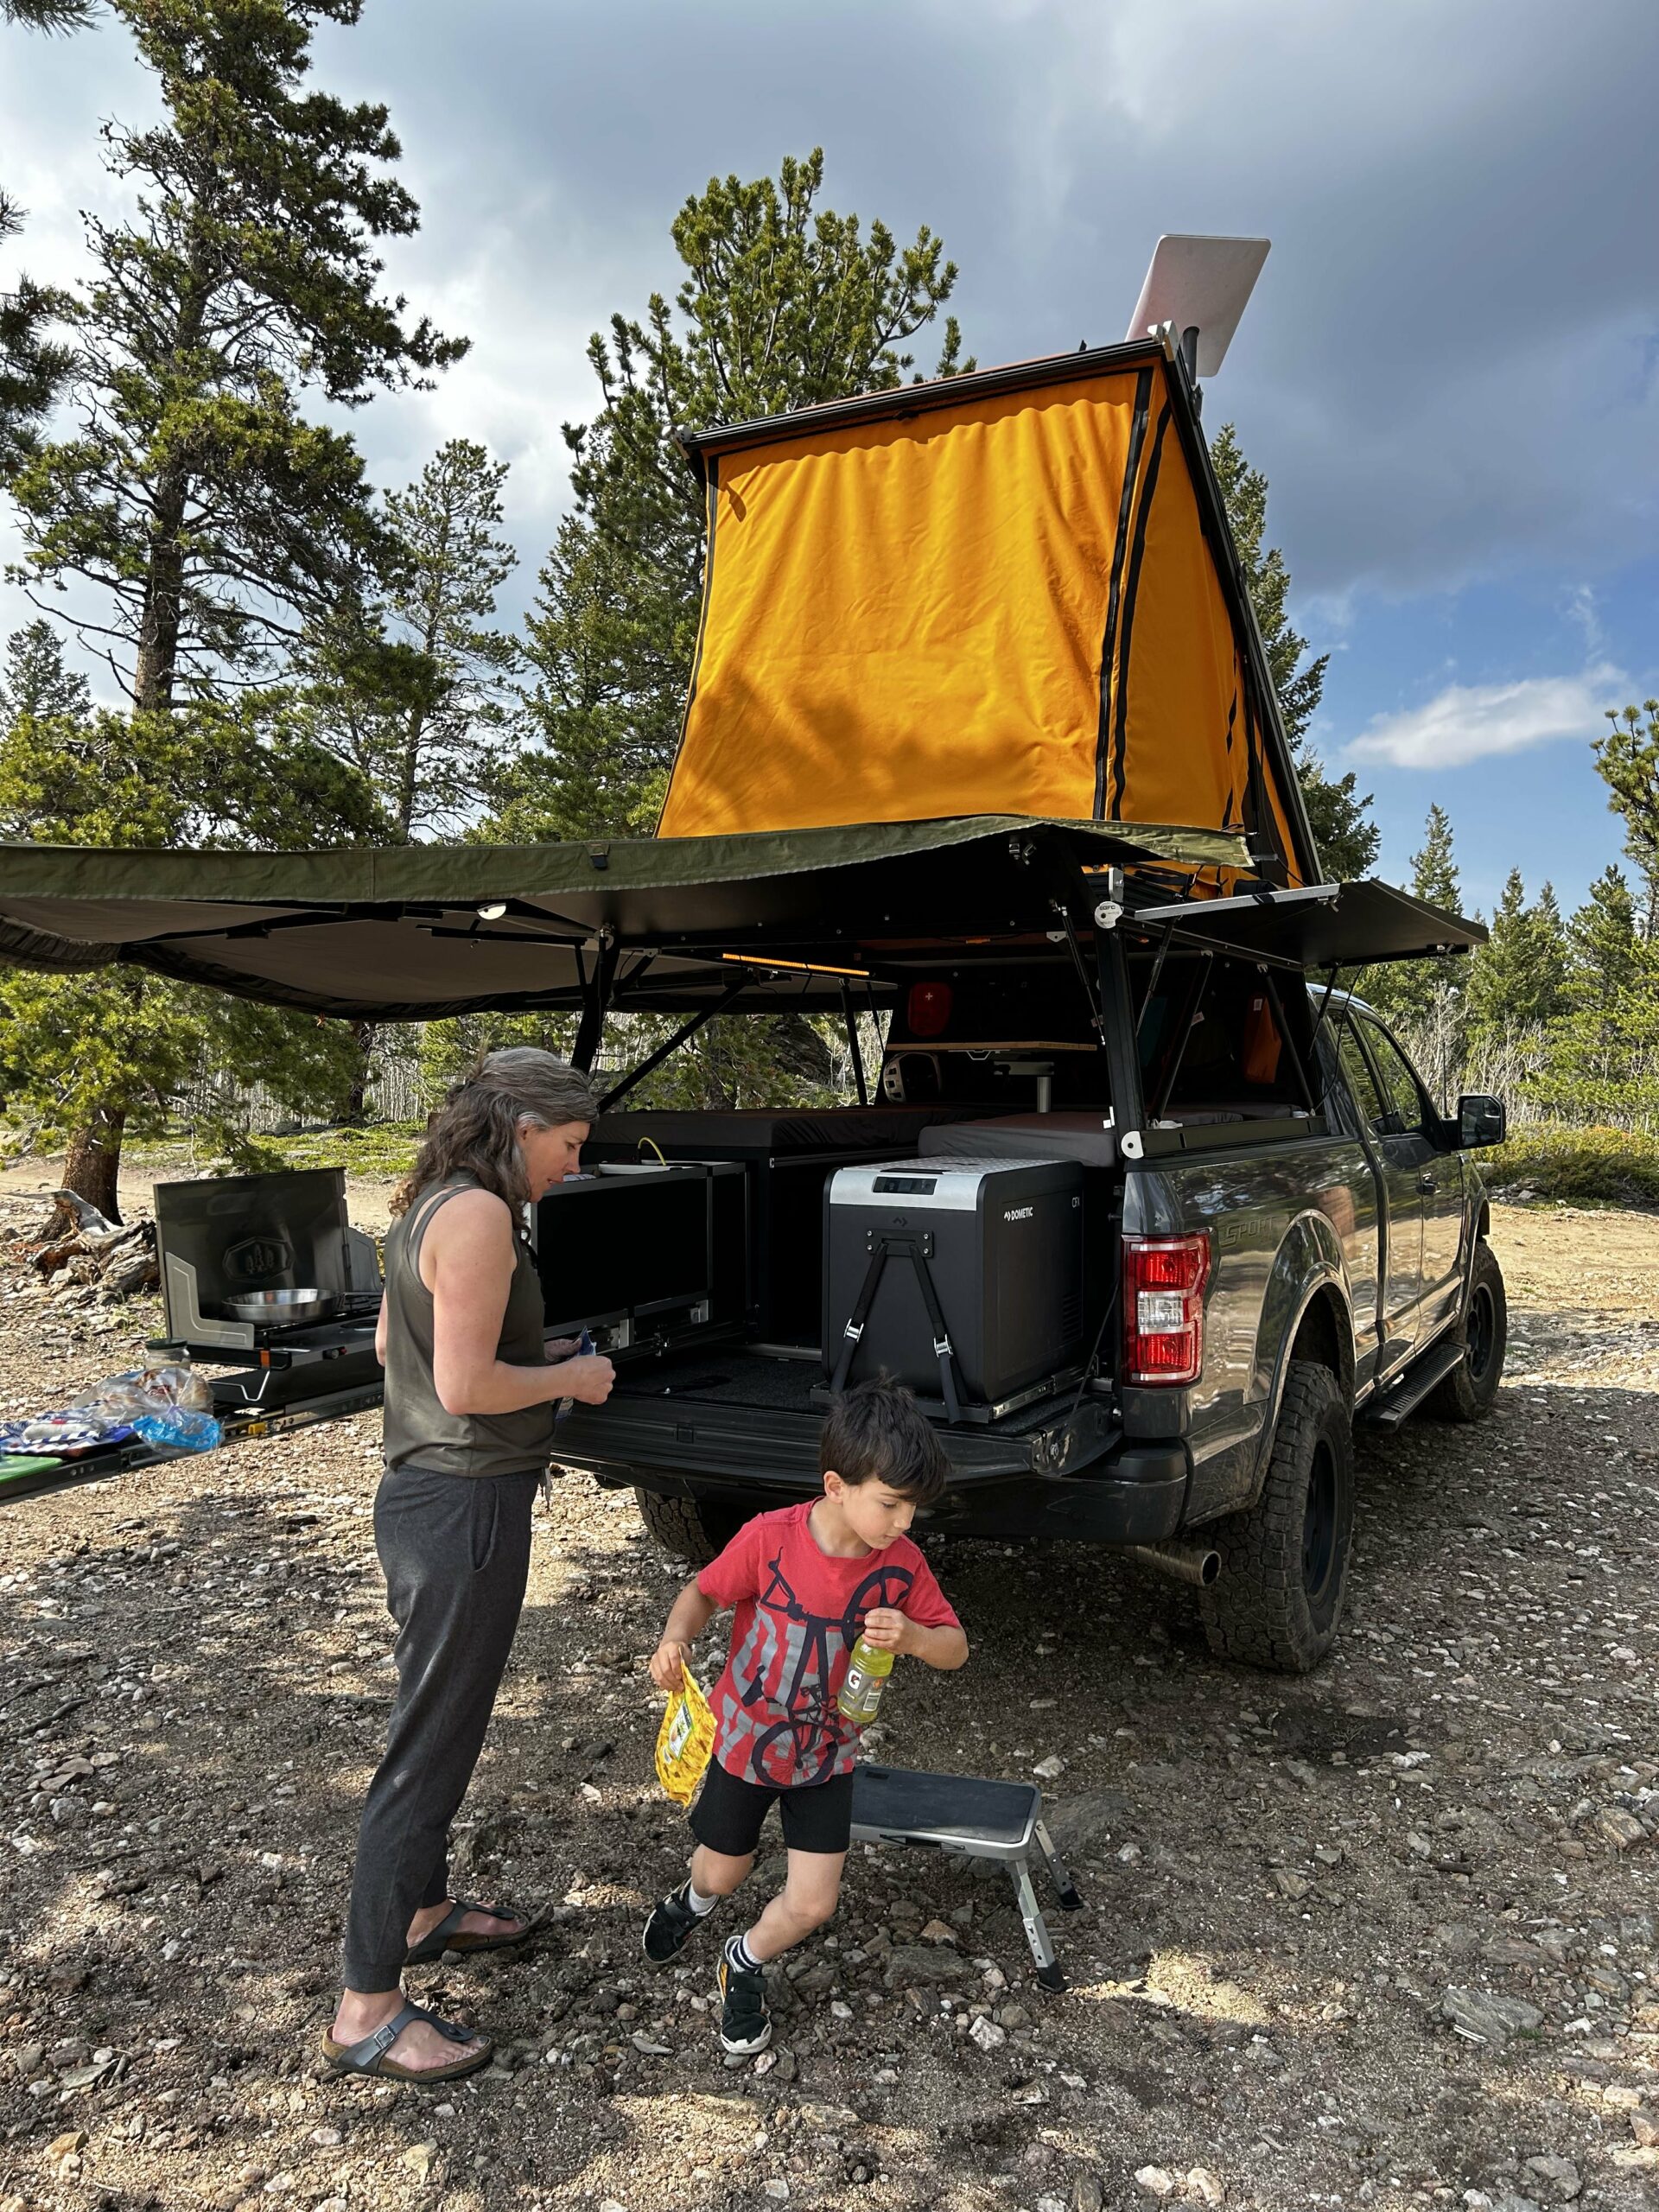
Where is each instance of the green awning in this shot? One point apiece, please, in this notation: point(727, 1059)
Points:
point(396, 933)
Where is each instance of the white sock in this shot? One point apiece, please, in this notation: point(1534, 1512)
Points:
point(741, 1956)
point(698, 1903)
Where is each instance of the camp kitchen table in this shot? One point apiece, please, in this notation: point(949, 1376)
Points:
point(239, 1426)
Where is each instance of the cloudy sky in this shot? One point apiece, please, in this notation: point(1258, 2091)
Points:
point(1448, 371)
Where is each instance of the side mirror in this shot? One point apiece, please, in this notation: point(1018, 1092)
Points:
point(1481, 1120)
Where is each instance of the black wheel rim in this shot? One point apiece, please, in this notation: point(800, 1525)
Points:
point(1319, 1523)
point(1482, 1332)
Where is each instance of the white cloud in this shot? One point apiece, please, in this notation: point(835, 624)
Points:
point(1473, 721)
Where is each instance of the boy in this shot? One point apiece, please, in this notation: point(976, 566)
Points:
point(807, 1581)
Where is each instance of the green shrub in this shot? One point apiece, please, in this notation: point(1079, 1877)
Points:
point(1581, 1167)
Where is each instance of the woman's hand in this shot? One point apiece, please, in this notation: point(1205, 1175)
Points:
point(668, 1663)
point(589, 1378)
point(558, 1348)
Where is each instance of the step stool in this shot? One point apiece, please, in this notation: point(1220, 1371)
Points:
point(979, 1819)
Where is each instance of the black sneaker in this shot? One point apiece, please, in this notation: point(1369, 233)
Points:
point(669, 1926)
point(745, 2027)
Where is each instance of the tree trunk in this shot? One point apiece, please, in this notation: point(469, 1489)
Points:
point(158, 628)
point(356, 1102)
point(93, 1162)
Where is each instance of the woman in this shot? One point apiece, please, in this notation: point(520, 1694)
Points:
point(469, 1411)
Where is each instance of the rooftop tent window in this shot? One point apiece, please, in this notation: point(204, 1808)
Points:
point(1009, 593)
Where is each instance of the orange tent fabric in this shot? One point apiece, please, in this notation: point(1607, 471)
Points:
point(969, 601)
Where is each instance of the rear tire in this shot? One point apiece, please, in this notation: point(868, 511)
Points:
point(696, 1529)
point(1468, 1391)
point(1284, 1564)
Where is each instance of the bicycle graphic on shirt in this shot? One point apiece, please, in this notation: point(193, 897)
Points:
point(795, 1644)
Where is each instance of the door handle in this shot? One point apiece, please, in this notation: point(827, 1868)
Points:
point(1426, 1185)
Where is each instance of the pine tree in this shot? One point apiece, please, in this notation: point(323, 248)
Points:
point(413, 689)
point(35, 683)
point(1516, 982)
point(32, 366)
point(1603, 1061)
point(196, 497)
point(1346, 839)
point(784, 304)
point(1628, 759)
point(1603, 951)
point(1425, 996)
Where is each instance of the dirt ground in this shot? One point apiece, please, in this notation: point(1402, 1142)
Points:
point(1382, 1937)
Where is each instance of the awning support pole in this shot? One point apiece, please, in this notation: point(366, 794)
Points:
point(849, 1015)
point(1118, 1040)
point(685, 1030)
point(596, 994)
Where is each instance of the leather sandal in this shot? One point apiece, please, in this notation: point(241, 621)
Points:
point(449, 1935)
point(369, 2056)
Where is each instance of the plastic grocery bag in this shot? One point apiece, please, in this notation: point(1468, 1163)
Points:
point(685, 1740)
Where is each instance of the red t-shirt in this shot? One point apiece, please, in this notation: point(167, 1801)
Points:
point(799, 1612)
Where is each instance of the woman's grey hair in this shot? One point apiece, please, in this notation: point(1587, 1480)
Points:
point(475, 1131)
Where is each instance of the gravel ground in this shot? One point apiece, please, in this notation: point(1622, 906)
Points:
point(1382, 1937)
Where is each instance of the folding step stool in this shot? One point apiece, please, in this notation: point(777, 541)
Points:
point(979, 1819)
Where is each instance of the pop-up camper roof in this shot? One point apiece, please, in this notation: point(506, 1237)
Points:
point(1008, 592)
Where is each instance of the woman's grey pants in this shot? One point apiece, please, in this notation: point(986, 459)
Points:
point(455, 1553)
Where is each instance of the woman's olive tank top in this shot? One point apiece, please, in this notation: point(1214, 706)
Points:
point(419, 1432)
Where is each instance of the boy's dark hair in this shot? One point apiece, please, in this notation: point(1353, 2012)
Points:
point(874, 1433)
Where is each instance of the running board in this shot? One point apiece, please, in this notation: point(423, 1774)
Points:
point(1407, 1391)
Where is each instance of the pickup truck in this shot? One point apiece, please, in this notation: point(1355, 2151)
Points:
point(1302, 1244)
point(981, 756)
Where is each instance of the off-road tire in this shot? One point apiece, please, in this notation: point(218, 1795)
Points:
point(693, 1529)
point(1284, 1564)
point(1468, 1391)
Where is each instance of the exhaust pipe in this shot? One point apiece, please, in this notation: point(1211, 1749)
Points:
point(1195, 1563)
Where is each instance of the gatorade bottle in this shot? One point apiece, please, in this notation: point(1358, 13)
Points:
point(864, 1680)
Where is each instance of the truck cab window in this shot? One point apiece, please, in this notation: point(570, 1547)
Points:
point(1211, 1044)
point(1400, 1088)
point(1360, 1083)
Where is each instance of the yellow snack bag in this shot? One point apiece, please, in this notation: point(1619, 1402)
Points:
point(685, 1740)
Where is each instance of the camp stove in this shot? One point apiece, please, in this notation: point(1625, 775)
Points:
point(264, 1276)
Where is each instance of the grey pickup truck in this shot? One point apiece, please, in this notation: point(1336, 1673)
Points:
point(1150, 1325)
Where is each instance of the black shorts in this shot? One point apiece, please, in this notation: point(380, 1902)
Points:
point(727, 1817)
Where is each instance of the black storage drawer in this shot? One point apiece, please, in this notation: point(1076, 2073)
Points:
point(645, 1257)
point(789, 1158)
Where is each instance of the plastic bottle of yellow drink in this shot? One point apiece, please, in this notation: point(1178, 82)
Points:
point(864, 1680)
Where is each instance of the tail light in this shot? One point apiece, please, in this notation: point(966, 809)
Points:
point(1163, 1308)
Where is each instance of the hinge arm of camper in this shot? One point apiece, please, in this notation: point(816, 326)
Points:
point(1298, 1067)
point(1089, 992)
point(1181, 1035)
point(1157, 976)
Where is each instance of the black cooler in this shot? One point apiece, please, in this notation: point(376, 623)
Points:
point(960, 1278)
